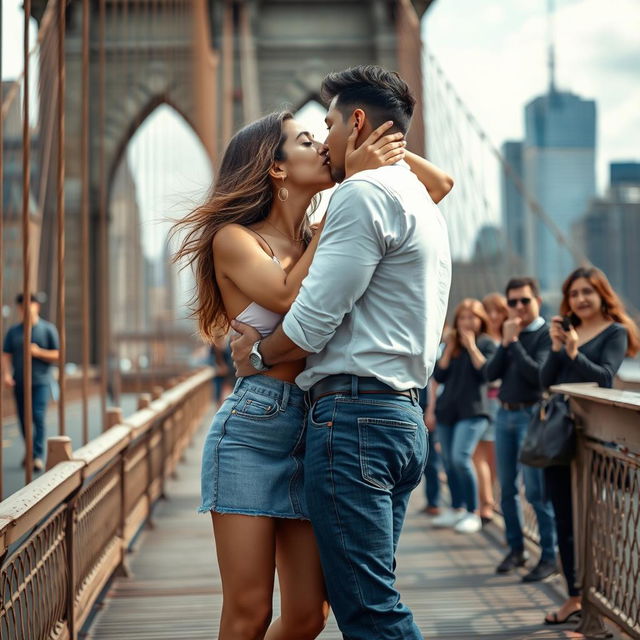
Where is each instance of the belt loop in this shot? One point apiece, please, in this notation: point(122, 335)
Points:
point(414, 396)
point(354, 386)
point(285, 395)
point(237, 384)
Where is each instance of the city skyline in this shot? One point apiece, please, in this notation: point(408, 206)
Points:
point(496, 59)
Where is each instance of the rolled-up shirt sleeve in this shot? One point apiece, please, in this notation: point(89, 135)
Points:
point(354, 240)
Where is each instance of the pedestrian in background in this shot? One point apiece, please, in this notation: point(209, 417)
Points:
point(462, 411)
point(44, 347)
point(220, 359)
point(517, 362)
point(427, 400)
point(484, 457)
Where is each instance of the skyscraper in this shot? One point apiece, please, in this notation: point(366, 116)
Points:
point(609, 233)
point(556, 164)
point(512, 202)
point(559, 172)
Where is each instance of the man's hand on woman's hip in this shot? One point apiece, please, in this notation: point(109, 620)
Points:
point(241, 343)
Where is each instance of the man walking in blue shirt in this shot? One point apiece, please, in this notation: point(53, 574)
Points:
point(44, 351)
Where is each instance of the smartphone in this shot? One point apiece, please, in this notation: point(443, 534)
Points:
point(566, 323)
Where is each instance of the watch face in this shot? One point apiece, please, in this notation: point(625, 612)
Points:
point(255, 360)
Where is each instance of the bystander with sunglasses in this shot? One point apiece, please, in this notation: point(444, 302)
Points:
point(517, 362)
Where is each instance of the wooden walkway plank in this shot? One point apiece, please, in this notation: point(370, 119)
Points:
point(447, 579)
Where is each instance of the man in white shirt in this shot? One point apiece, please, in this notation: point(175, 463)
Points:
point(369, 318)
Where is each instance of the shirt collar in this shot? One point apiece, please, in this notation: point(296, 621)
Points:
point(535, 325)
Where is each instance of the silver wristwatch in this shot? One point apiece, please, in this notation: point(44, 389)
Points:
point(255, 358)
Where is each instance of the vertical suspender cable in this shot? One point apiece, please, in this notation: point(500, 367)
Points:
point(103, 307)
point(84, 256)
point(227, 72)
point(61, 215)
point(26, 252)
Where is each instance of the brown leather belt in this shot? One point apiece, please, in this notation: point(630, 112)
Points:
point(344, 384)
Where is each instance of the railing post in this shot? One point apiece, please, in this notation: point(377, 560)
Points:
point(156, 392)
point(166, 451)
point(59, 449)
point(114, 417)
point(70, 535)
point(123, 570)
point(144, 400)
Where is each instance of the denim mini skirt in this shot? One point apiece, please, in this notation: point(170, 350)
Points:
point(253, 453)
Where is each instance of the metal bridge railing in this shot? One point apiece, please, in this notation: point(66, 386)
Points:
point(64, 535)
point(606, 498)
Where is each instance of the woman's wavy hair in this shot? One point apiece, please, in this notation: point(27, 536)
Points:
point(476, 307)
point(243, 194)
point(612, 306)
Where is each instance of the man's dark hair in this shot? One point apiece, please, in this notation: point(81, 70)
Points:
point(33, 297)
point(383, 94)
point(524, 281)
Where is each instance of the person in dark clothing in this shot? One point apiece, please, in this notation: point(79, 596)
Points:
point(525, 345)
point(462, 411)
point(427, 399)
point(589, 348)
point(44, 351)
point(220, 358)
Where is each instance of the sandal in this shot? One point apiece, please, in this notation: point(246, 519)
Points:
point(574, 615)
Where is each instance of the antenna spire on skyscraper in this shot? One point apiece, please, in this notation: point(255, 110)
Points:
point(551, 46)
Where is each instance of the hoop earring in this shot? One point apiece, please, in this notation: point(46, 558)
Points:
point(283, 193)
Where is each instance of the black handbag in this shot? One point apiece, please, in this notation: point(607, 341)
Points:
point(551, 435)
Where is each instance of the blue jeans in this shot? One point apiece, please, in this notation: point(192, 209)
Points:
point(39, 400)
point(458, 443)
point(431, 471)
point(511, 428)
point(364, 456)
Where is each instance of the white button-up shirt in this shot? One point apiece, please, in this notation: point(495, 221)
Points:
point(375, 299)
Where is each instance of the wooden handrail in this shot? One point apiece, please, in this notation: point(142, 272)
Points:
point(74, 523)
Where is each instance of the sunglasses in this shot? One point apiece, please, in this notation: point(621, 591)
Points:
point(513, 302)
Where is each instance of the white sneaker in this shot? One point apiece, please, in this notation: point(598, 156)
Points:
point(448, 519)
point(469, 523)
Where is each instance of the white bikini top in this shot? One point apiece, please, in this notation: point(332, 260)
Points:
point(263, 320)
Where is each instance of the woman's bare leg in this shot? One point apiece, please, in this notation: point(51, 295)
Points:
point(246, 547)
point(303, 600)
point(484, 459)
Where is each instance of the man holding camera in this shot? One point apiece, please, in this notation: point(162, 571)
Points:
point(525, 345)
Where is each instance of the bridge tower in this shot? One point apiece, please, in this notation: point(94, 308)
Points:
point(219, 64)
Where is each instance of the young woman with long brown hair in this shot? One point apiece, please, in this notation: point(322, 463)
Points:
point(484, 457)
point(589, 346)
point(251, 246)
point(462, 410)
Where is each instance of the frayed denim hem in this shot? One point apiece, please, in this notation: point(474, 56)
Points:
point(249, 512)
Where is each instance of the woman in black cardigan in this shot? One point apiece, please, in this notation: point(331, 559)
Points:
point(588, 347)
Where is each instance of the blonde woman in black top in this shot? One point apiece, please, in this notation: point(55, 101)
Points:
point(588, 344)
